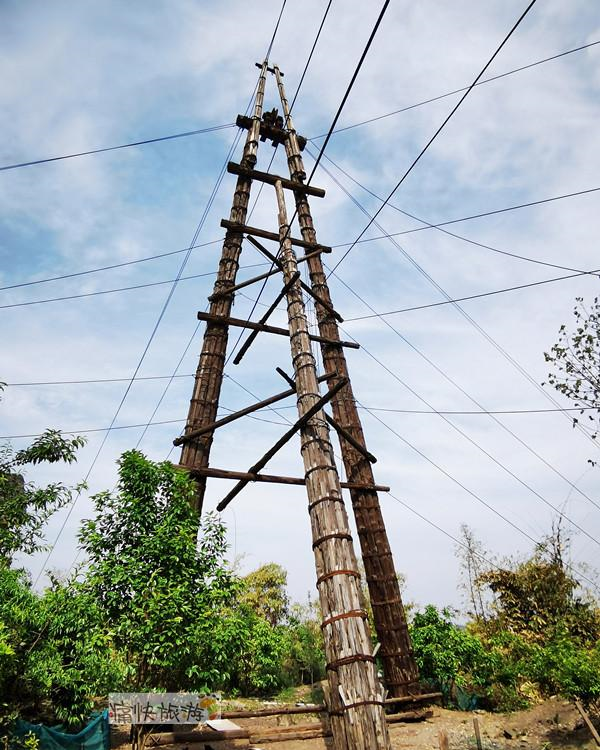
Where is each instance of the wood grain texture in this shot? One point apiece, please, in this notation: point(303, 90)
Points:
point(355, 696)
point(209, 373)
point(400, 669)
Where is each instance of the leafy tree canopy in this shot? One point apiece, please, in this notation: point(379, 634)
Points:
point(26, 507)
point(576, 362)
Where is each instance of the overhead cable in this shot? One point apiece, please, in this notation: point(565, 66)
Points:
point(315, 137)
point(188, 133)
point(429, 225)
point(458, 91)
point(439, 129)
point(105, 268)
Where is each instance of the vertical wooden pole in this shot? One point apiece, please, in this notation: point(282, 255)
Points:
point(355, 695)
point(400, 669)
point(209, 374)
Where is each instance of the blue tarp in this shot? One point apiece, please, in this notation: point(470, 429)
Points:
point(95, 736)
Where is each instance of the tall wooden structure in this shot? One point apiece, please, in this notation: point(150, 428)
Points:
point(355, 697)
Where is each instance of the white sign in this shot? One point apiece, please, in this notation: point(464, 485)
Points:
point(163, 708)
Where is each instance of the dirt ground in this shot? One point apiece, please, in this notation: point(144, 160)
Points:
point(552, 724)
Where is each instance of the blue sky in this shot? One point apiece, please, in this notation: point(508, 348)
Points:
point(87, 75)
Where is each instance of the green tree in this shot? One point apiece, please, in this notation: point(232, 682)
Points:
point(265, 593)
point(538, 598)
point(575, 359)
point(25, 507)
point(161, 591)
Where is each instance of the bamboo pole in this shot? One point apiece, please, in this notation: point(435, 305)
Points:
point(355, 695)
point(209, 373)
point(400, 669)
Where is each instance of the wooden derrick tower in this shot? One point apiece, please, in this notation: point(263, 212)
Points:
point(355, 699)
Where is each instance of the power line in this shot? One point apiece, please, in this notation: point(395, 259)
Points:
point(440, 370)
point(105, 268)
point(462, 312)
point(362, 241)
point(323, 19)
point(474, 296)
point(133, 287)
point(439, 130)
point(145, 351)
point(145, 425)
point(483, 214)
point(458, 91)
point(478, 412)
point(96, 380)
point(349, 89)
point(474, 443)
point(462, 544)
point(429, 225)
point(188, 133)
point(275, 30)
point(313, 138)
point(473, 494)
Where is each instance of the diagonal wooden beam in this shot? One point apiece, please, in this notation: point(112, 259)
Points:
point(281, 442)
point(241, 413)
point(248, 343)
point(274, 259)
point(242, 284)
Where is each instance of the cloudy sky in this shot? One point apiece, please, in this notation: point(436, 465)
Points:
point(86, 75)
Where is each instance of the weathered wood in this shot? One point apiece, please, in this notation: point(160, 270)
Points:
point(588, 721)
point(222, 320)
point(477, 733)
point(237, 414)
point(421, 698)
point(355, 702)
point(265, 739)
point(316, 708)
point(408, 716)
point(248, 342)
point(285, 376)
point(443, 739)
point(198, 735)
point(242, 285)
point(400, 668)
point(285, 438)
point(209, 373)
point(211, 472)
point(270, 179)
point(236, 227)
point(353, 442)
point(307, 289)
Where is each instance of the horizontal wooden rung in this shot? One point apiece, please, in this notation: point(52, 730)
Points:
point(213, 473)
point(239, 323)
point(233, 226)
point(271, 179)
